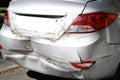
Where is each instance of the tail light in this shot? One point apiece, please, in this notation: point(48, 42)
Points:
point(92, 22)
point(1, 47)
point(83, 65)
point(6, 19)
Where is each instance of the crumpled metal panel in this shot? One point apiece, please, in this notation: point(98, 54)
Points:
point(48, 28)
point(38, 63)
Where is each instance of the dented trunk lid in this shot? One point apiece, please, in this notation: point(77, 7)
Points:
point(47, 19)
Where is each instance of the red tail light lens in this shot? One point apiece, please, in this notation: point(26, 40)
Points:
point(92, 22)
point(83, 65)
point(1, 47)
point(6, 19)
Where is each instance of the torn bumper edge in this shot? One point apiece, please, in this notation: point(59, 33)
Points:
point(38, 63)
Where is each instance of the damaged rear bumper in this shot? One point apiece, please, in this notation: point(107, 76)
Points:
point(38, 63)
point(35, 62)
point(25, 52)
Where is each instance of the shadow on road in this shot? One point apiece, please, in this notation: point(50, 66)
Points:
point(40, 76)
point(1, 21)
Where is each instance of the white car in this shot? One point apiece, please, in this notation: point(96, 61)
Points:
point(76, 39)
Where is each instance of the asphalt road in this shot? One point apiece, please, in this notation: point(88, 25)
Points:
point(19, 74)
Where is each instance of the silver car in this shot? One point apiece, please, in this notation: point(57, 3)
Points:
point(76, 39)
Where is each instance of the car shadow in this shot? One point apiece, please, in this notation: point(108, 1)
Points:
point(1, 21)
point(39, 76)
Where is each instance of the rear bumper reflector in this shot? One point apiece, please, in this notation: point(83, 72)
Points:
point(83, 64)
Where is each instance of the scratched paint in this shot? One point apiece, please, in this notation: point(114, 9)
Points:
point(52, 30)
point(39, 27)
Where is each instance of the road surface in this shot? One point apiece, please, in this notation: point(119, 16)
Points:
point(19, 74)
